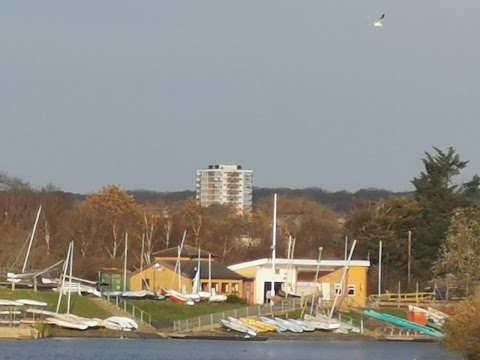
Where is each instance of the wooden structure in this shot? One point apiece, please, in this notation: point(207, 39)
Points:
point(401, 299)
point(164, 272)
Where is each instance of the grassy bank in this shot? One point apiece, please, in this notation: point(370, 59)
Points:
point(171, 311)
point(80, 305)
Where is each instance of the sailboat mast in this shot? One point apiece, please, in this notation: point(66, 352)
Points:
point(177, 263)
point(315, 279)
point(274, 243)
point(64, 274)
point(141, 263)
point(70, 280)
point(31, 239)
point(199, 285)
point(210, 273)
point(125, 264)
point(347, 264)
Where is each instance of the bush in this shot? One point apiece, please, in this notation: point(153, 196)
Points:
point(462, 331)
point(234, 299)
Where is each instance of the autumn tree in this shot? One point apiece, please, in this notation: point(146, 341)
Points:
point(459, 257)
point(226, 234)
point(157, 228)
point(461, 329)
point(120, 211)
point(192, 219)
point(257, 229)
point(85, 228)
point(54, 210)
point(312, 224)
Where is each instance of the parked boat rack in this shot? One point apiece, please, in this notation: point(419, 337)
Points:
point(209, 322)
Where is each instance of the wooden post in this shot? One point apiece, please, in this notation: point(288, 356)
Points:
point(398, 300)
point(409, 256)
point(379, 268)
point(416, 294)
point(446, 291)
point(35, 289)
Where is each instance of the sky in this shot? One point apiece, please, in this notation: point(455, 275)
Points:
point(305, 93)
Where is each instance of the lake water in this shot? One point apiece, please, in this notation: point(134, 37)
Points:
point(153, 349)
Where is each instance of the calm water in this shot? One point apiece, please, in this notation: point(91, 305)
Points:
point(139, 349)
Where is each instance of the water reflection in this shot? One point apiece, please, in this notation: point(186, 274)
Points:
point(137, 349)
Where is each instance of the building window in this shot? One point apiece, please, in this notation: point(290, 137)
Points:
point(277, 271)
point(351, 290)
point(235, 288)
point(338, 289)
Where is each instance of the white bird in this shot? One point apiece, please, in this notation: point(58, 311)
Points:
point(379, 22)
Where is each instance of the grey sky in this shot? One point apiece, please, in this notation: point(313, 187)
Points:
point(305, 93)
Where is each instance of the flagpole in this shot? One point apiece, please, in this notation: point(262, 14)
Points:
point(274, 242)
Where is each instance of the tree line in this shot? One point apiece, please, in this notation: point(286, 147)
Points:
point(441, 213)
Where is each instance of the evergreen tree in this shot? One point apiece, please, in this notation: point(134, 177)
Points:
point(438, 196)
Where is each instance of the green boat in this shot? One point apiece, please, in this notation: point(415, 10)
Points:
point(403, 323)
point(433, 325)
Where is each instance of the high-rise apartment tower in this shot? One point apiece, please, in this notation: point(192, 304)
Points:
point(226, 185)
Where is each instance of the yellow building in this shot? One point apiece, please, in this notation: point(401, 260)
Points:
point(297, 276)
point(162, 273)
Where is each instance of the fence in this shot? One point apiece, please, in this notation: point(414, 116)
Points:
point(212, 320)
point(404, 297)
point(127, 307)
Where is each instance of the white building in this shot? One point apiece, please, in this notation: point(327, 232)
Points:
point(297, 276)
point(225, 185)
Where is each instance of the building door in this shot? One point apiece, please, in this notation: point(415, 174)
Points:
point(248, 291)
point(266, 289)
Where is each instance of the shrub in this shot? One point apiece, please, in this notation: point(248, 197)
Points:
point(234, 299)
point(462, 331)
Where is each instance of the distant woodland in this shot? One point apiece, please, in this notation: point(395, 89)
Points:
point(440, 214)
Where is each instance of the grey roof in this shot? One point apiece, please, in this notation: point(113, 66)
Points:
point(187, 251)
point(219, 271)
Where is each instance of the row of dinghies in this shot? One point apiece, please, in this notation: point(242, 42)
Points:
point(309, 323)
point(26, 312)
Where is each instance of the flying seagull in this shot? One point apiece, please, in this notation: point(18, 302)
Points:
point(379, 22)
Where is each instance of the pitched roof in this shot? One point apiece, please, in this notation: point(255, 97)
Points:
point(219, 271)
point(187, 251)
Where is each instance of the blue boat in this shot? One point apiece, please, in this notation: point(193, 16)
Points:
point(403, 323)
